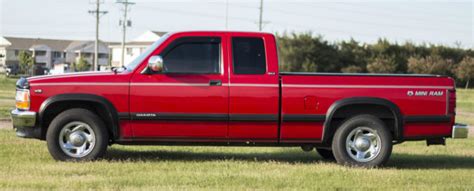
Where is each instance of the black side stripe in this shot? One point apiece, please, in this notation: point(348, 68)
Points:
point(198, 117)
point(253, 117)
point(304, 118)
point(124, 115)
point(427, 119)
point(221, 117)
point(179, 116)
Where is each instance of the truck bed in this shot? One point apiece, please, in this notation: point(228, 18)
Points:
point(422, 100)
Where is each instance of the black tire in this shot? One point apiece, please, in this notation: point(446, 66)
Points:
point(326, 154)
point(362, 121)
point(77, 115)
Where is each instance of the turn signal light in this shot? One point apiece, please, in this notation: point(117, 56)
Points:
point(22, 99)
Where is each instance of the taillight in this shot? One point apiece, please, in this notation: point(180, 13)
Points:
point(452, 101)
point(22, 99)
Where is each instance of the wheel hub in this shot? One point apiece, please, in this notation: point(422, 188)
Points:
point(77, 139)
point(362, 143)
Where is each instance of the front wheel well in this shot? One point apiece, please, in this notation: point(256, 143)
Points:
point(54, 109)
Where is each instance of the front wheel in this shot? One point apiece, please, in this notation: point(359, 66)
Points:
point(362, 141)
point(77, 135)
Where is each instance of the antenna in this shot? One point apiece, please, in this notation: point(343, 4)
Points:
point(260, 19)
point(261, 16)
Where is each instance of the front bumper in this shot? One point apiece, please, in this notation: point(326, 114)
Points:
point(24, 123)
point(460, 131)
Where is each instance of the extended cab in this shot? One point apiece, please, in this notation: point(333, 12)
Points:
point(224, 88)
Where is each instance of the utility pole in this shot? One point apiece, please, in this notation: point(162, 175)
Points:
point(124, 23)
point(261, 15)
point(97, 13)
point(226, 14)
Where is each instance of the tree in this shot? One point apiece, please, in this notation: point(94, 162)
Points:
point(81, 65)
point(307, 53)
point(295, 51)
point(465, 70)
point(382, 64)
point(430, 65)
point(387, 57)
point(352, 56)
point(26, 61)
point(352, 69)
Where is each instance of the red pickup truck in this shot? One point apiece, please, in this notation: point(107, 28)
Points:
point(224, 88)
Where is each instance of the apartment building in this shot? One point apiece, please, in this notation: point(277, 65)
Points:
point(54, 55)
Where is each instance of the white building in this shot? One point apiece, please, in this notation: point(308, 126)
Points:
point(85, 49)
point(133, 48)
point(50, 54)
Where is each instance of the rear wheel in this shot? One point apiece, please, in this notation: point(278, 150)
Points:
point(363, 141)
point(77, 135)
point(325, 153)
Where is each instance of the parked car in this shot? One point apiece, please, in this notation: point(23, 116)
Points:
point(224, 88)
point(12, 70)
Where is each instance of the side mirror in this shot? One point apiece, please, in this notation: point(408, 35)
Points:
point(155, 64)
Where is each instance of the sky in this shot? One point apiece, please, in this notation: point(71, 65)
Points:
point(419, 21)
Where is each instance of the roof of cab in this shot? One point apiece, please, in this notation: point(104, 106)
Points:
point(222, 32)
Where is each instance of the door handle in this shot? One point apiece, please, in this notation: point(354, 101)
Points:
point(215, 83)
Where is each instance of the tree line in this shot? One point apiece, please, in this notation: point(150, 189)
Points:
point(312, 53)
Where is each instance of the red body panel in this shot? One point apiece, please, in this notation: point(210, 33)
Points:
point(242, 95)
point(329, 89)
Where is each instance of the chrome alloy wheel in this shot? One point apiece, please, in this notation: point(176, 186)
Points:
point(77, 139)
point(363, 144)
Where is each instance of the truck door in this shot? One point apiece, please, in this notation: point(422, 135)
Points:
point(189, 99)
point(254, 89)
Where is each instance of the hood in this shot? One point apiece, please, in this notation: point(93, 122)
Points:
point(102, 76)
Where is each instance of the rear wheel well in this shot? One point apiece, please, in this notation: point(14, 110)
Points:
point(382, 112)
point(54, 109)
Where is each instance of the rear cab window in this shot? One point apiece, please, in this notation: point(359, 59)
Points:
point(248, 54)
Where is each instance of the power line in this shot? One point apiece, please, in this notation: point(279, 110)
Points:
point(404, 10)
point(190, 13)
point(97, 13)
point(260, 17)
point(352, 21)
point(125, 22)
point(261, 23)
point(385, 13)
point(249, 20)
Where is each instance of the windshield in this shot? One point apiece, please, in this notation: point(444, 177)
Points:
point(151, 48)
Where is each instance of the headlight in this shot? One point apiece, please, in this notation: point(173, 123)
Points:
point(22, 99)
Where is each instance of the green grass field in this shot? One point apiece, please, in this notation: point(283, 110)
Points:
point(465, 106)
point(7, 95)
point(26, 164)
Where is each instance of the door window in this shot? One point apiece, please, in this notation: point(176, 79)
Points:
point(188, 56)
